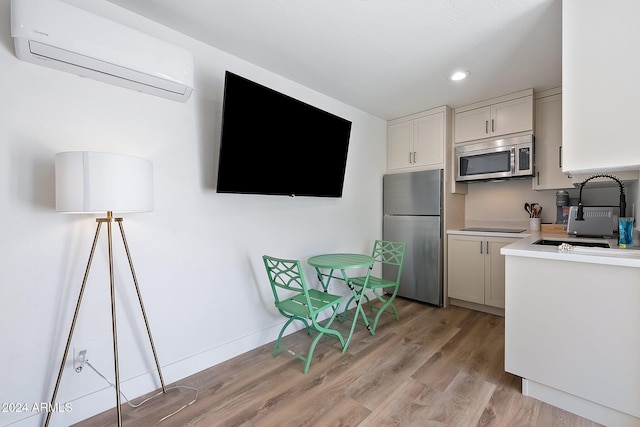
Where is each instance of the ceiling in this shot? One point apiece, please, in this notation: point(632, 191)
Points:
point(387, 57)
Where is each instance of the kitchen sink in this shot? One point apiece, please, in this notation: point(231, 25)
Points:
point(551, 242)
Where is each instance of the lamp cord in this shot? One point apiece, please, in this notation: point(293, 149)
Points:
point(134, 405)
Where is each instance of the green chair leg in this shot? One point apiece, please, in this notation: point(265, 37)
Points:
point(391, 255)
point(297, 302)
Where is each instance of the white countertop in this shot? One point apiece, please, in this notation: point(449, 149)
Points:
point(524, 247)
point(521, 235)
point(629, 257)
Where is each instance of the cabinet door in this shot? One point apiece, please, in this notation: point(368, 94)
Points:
point(400, 145)
point(466, 268)
point(548, 145)
point(472, 124)
point(494, 271)
point(601, 125)
point(512, 116)
point(421, 277)
point(428, 140)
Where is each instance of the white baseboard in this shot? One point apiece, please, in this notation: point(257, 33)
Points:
point(574, 404)
point(104, 399)
point(101, 400)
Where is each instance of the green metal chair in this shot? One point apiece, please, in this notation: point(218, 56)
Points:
point(391, 256)
point(297, 302)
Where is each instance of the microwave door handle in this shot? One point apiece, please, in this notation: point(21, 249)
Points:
point(513, 161)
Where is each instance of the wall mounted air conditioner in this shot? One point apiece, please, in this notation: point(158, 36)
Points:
point(62, 36)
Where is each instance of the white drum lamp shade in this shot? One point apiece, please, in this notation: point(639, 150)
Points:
point(95, 182)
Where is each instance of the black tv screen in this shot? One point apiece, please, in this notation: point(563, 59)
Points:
point(274, 144)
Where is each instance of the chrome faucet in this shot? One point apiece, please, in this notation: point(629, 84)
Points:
point(623, 202)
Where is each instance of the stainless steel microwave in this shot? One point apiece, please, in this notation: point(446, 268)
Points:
point(497, 159)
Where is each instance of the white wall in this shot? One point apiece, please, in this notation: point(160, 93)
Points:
point(197, 256)
point(501, 203)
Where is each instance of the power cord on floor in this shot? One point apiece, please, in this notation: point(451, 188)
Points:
point(134, 405)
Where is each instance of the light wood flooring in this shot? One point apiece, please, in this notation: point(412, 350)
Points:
point(435, 367)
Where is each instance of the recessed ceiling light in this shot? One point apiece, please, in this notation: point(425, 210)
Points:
point(459, 75)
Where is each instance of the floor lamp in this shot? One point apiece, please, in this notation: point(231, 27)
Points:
point(92, 182)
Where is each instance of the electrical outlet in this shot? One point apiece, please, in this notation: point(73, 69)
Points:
point(79, 359)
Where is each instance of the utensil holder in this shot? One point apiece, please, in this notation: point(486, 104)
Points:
point(534, 224)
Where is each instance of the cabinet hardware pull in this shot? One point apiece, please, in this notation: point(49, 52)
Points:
point(560, 157)
point(409, 156)
point(492, 126)
point(487, 247)
point(414, 157)
point(486, 126)
point(538, 174)
point(481, 247)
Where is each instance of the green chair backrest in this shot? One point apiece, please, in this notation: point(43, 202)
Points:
point(390, 255)
point(285, 274)
point(389, 252)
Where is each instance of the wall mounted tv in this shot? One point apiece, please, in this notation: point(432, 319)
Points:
point(274, 144)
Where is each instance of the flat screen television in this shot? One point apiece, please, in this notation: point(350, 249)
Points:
point(274, 144)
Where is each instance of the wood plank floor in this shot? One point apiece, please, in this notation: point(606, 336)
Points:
point(435, 367)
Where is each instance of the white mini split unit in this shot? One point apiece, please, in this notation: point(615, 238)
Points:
point(59, 35)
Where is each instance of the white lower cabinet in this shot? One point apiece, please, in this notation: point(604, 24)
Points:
point(571, 333)
point(476, 268)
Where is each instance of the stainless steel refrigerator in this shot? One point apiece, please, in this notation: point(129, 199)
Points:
point(412, 207)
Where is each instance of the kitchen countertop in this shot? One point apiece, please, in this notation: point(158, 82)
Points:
point(629, 257)
point(520, 235)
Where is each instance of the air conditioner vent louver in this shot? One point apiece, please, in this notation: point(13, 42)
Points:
point(61, 36)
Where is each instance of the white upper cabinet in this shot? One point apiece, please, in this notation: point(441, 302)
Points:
point(505, 115)
point(400, 145)
point(548, 144)
point(417, 141)
point(512, 116)
point(600, 86)
point(472, 124)
point(429, 139)
point(549, 148)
